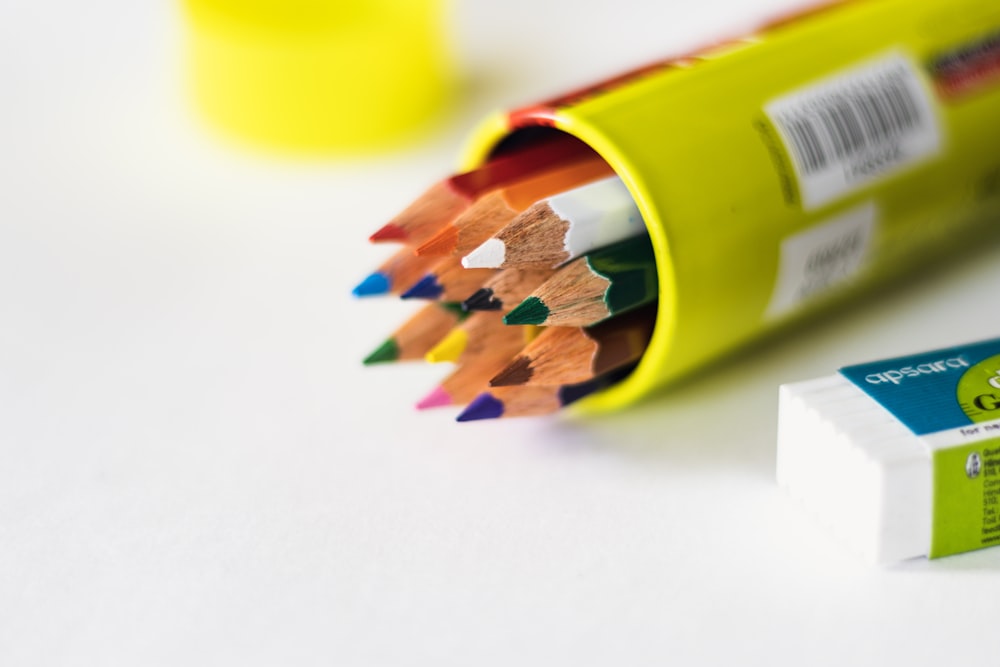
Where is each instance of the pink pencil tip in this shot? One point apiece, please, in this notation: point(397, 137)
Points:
point(436, 399)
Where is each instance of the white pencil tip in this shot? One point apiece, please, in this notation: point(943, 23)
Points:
point(489, 255)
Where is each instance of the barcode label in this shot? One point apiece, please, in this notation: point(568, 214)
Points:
point(856, 127)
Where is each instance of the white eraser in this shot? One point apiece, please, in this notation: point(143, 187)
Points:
point(899, 458)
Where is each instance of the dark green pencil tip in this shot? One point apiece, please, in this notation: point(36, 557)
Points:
point(530, 311)
point(387, 351)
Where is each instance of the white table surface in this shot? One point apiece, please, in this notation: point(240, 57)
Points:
point(195, 469)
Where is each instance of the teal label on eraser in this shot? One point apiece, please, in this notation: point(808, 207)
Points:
point(938, 390)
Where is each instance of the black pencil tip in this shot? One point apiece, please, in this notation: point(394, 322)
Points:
point(482, 299)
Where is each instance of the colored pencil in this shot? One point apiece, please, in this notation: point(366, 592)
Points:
point(478, 335)
point(492, 211)
point(395, 274)
point(569, 355)
point(461, 385)
point(506, 289)
point(448, 280)
point(470, 378)
point(419, 334)
point(594, 287)
point(501, 402)
point(562, 227)
point(446, 199)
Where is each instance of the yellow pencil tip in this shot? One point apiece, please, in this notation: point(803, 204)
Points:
point(450, 348)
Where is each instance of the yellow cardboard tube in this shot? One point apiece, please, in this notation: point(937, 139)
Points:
point(311, 75)
point(746, 236)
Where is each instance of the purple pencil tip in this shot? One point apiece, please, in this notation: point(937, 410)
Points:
point(425, 288)
point(484, 406)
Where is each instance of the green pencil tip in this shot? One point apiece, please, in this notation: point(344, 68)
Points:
point(387, 351)
point(530, 311)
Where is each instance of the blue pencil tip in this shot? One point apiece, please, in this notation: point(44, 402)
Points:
point(375, 283)
point(425, 288)
point(484, 406)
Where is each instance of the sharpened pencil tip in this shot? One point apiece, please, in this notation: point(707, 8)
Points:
point(489, 255)
point(439, 245)
point(387, 351)
point(450, 348)
point(438, 398)
point(482, 299)
point(530, 311)
point(425, 288)
point(389, 232)
point(517, 372)
point(375, 284)
point(484, 406)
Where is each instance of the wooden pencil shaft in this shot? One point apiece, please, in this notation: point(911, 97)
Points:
point(527, 401)
point(566, 355)
point(593, 287)
point(425, 328)
point(509, 287)
point(495, 209)
point(458, 283)
point(403, 268)
point(440, 204)
point(422, 218)
point(570, 224)
point(487, 335)
point(471, 378)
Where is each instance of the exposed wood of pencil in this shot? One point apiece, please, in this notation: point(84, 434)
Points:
point(479, 335)
point(428, 213)
point(566, 225)
point(471, 378)
point(446, 199)
point(448, 280)
point(522, 401)
point(399, 271)
point(591, 288)
point(421, 332)
point(574, 296)
point(494, 210)
point(533, 239)
point(569, 355)
point(506, 289)
point(468, 380)
point(501, 402)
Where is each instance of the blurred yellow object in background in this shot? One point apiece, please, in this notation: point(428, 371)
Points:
point(319, 75)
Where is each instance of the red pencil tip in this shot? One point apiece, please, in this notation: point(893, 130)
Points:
point(389, 232)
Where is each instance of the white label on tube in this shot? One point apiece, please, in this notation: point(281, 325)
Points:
point(825, 256)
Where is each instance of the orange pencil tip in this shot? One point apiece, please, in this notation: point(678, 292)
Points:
point(441, 244)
